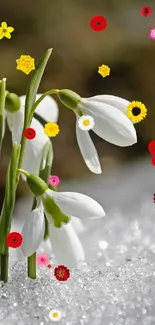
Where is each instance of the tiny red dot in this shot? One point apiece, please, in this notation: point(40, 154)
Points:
point(49, 266)
point(29, 133)
point(98, 23)
point(153, 160)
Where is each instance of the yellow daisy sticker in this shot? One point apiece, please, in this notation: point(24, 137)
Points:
point(5, 31)
point(104, 70)
point(51, 129)
point(25, 63)
point(136, 111)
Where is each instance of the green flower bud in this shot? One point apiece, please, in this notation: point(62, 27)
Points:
point(35, 183)
point(69, 98)
point(12, 102)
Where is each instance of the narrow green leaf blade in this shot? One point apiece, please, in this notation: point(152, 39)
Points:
point(34, 82)
point(9, 198)
point(2, 106)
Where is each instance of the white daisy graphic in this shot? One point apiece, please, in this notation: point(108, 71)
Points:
point(86, 122)
point(55, 315)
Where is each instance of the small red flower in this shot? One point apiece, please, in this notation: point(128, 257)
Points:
point(49, 266)
point(61, 273)
point(14, 239)
point(98, 23)
point(29, 133)
point(146, 11)
point(151, 147)
point(153, 160)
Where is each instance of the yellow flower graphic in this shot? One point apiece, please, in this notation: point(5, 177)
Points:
point(5, 30)
point(51, 129)
point(25, 63)
point(104, 70)
point(136, 111)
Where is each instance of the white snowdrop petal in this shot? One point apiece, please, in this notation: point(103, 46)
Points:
point(66, 245)
point(47, 109)
point(78, 205)
point(117, 102)
point(33, 231)
point(110, 123)
point(88, 150)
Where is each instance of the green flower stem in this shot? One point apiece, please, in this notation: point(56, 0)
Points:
point(16, 163)
point(47, 93)
point(4, 266)
point(44, 173)
point(32, 266)
point(2, 106)
point(46, 234)
point(7, 211)
point(31, 260)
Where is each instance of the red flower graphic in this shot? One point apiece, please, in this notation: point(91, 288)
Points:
point(146, 11)
point(61, 273)
point(151, 147)
point(29, 133)
point(14, 239)
point(98, 23)
point(153, 160)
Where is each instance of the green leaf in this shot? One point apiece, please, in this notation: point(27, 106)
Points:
point(9, 198)
point(34, 83)
point(2, 106)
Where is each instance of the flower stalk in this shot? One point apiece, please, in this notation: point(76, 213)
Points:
point(7, 210)
point(2, 106)
point(16, 160)
point(44, 173)
point(31, 262)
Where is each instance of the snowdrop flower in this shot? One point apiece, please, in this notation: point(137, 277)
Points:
point(72, 204)
point(111, 124)
point(58, 207)
point(64, 242)
point(48, 110)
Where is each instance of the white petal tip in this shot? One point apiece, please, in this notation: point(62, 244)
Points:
point(130, 142)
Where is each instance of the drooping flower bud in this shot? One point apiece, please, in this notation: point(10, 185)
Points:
point(35, 183)
point(12, 102)
point(69, 98)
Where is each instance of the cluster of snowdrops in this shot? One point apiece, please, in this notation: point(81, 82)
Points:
point(111, 118)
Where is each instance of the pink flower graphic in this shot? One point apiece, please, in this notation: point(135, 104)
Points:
point(42, 260)
point(54, 180)
point(152, 33)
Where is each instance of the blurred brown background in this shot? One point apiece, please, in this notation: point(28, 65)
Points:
point(78, 51)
